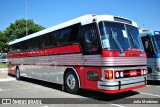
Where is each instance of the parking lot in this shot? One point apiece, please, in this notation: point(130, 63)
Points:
point(30, 88)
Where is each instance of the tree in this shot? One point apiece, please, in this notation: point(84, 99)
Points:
point(3, 42)
point(18, 28)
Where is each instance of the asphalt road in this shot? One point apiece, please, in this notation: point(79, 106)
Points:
point(30, 88)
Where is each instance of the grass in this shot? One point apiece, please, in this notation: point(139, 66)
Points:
point(3, 65)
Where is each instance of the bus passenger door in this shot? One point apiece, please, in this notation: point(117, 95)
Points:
point(90, 47)
point(150, 52)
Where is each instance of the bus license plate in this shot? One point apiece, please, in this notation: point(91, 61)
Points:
point(133, 73)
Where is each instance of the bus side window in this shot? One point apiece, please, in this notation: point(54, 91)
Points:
point(37, 43)
point(148, 46)
point(55, 38)
point(74, 32)
point(47, 40)
point(64, 36)
point(88, 39)
point(16, 47)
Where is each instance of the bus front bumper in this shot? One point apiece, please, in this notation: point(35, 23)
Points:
point(155, 76)
point(121, 85)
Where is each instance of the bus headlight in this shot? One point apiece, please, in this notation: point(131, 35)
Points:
point(117, 74)
point(121, 74)
point(144, 72)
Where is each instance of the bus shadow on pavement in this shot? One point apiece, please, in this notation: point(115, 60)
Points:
point(42, 83)
point(106, 97)
point(85, 93)
point(150, 82)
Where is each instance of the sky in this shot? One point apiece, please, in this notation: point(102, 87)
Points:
point(52, 12)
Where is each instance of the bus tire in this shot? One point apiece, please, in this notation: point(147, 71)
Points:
point(71, 84)
point(18, 77)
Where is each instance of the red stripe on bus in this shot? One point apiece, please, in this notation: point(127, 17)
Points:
point(116, 53)
point(110, 53)
point(50, 51)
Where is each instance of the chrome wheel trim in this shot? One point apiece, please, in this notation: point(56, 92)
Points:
point(71, 81)
point(17, 73)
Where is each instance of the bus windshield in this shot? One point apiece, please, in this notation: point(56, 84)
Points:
point(118, 36)
point(157, 43)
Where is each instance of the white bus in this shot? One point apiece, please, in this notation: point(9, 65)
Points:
point(151, 42)
point(95, 52)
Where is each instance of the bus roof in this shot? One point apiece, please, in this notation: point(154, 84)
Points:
point(144, 33)
point(83, 20)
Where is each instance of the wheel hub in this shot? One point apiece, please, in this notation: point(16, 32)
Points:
point(71, 81)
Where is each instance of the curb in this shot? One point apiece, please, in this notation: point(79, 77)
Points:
point(7, 79)
point(3, 70)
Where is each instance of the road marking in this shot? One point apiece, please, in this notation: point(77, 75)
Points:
point(9, 79)
point(150, 94)
point(5, 89)
point(152, 85)
point(117, 105)
point(94, 97)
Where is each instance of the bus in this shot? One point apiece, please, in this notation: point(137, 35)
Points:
point(95, 52)
point(151, 43)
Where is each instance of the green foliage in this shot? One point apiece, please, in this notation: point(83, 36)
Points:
point(3, 65)
point(18, 28)
point(3, 42)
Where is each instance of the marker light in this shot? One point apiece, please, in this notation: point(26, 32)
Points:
point(117, 74)
point(121, 74)
point(144, 72)
point(108, 74)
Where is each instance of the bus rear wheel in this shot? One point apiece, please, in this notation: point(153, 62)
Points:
point(18, 77)
point(71, 84)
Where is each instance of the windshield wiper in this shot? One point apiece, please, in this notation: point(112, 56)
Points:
point(135, 43)
point(116, 41)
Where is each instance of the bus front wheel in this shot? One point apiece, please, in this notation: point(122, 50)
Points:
point(71, 84)
point(18, 77)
